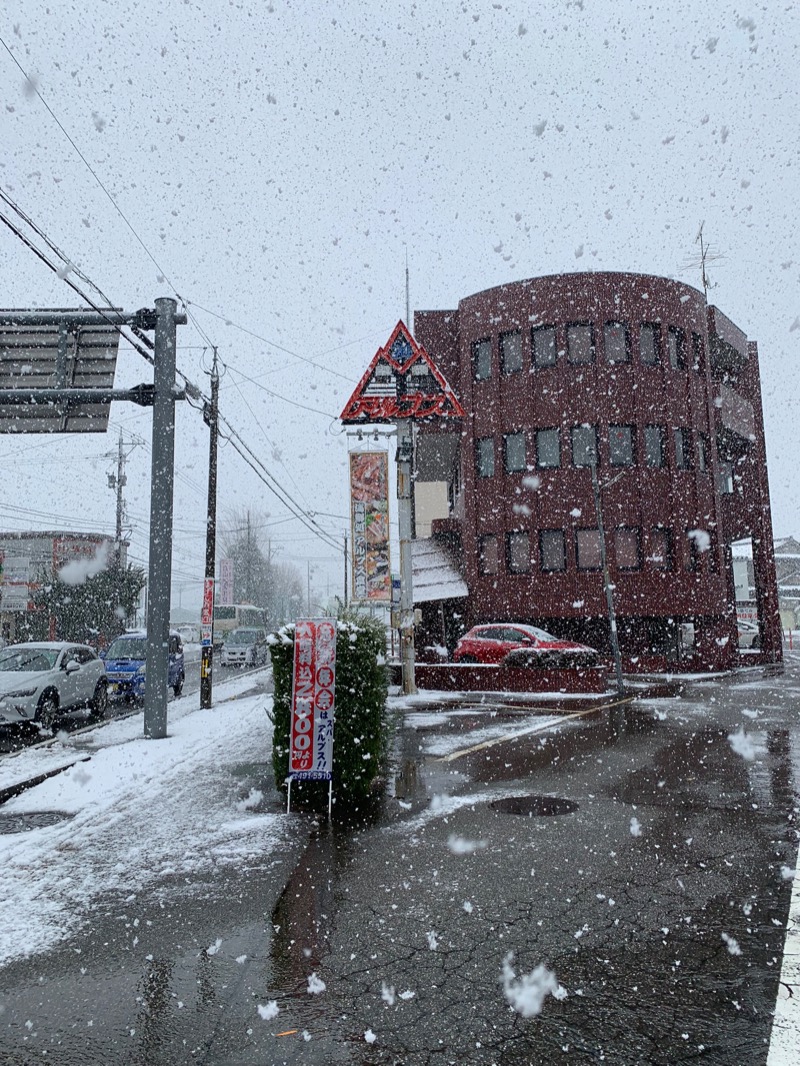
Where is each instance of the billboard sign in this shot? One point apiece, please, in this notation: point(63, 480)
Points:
point(402, 381)
point(369, 513)
point(207, 613)
point(313, 700)
point(225, 591)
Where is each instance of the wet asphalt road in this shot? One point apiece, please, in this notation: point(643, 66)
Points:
point(676, 843)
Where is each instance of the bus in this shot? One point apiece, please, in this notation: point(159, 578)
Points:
point(230, 616)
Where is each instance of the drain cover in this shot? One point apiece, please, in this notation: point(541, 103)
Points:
point(23, 823)
point(534, 806)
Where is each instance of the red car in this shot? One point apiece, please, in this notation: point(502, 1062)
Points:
point(491, 643)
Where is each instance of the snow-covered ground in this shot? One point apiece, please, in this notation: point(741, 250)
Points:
point(140, 810)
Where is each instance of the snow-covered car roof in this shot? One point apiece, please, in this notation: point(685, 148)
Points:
point(49, 645)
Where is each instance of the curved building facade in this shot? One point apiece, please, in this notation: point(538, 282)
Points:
point(639, 376)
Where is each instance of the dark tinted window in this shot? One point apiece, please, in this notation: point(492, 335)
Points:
point(484, 457)
point(615, 338)
point(518, 552)
point(648, 344)
point(587, 548)
point(548, 448)
point(654, 446)
point(551, 549)
point(620, 445)
point(511, 352)
point(580, 344)
point(584, 446)
point(482, 360)
point(487, 556)
point(543, 340)
point(514, 449)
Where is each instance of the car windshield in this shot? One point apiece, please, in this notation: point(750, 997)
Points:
point(21, 660)
point(242, 636)
point(127, 648)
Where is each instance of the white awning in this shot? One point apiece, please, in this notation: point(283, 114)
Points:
point(436, 576)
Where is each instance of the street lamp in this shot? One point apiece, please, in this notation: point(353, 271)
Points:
point(609, 588)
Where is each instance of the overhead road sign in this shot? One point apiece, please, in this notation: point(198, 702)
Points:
point(57, 369)
point(402, 381)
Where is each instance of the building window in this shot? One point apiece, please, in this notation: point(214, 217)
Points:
point(725, 479)
point(514, 452)
point(552, 552)
point(584, 446)
point(511, 352)
point(697, 351)
point(675, 349)
point(683, 449)
point(616, 343)
point(587, 549)
point(628, 551)
point(702, 452)
point(543, 342)
point(580, 343)
point(484, 457)
point(691, 555)
point(482, 360)
point(648, 344)
point(487, 554)
point(518, 552)
point(660, 557)
point(548, 448)
point(654, 447)
point(620, 445)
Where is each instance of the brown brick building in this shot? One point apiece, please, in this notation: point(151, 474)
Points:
point(636, 373)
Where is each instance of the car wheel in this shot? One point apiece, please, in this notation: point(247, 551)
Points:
point(99, 701)
point(47, 711)
point(177, 688)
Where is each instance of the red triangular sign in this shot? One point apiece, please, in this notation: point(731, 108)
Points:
point(402, 381)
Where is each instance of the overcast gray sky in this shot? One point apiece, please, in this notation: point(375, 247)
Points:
point(276, 159)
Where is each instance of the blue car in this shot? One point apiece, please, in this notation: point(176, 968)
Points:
point(126, 667)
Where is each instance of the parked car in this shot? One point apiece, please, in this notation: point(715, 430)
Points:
point(492, 643)
point(43, 681)
point(244, 647)
point(126, 665)
point(749, 635)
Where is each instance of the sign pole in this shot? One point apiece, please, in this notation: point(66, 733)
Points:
point(405, 454)
point(210, 416)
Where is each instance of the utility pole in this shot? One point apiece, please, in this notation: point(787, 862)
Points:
point(405, 456)
point(345, 569)
point(211, 419)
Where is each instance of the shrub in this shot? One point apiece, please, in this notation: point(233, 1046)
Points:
point(360, 734)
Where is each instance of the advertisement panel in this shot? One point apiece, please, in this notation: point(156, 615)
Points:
point(225, 581)
point(369, 510)
point(313, 700)
point(207, 613)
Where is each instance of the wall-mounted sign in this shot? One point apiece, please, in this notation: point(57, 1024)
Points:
point(402, 381)
point(313, 700)
point(369, 511)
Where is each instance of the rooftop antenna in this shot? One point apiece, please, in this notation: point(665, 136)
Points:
point(707, 255)
point(408, 302)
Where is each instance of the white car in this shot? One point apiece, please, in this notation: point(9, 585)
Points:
point(40, 682)
point(244, 647)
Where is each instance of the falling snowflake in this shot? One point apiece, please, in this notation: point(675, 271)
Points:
point(527, 993)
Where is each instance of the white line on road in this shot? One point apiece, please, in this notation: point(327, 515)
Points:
point(540, 728)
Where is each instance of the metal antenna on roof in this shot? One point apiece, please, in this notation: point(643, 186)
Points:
point(408, 301)
point(707, 255)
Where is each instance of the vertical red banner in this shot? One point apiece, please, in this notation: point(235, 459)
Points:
point(313, 700)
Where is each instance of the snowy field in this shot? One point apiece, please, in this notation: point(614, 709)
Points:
point(140, 810)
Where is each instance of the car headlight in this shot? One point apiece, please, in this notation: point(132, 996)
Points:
point(21, 693)
point(142, 670)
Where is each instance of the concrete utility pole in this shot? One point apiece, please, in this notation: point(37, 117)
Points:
point(405, 455)
point(345, 570)
point(161, 485)
point(211, 418)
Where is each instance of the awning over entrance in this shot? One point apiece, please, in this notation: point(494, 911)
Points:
point(436, 576)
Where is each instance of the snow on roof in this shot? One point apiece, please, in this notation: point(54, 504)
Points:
point(435, 575)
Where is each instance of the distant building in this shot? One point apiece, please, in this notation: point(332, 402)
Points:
point(28, 559)
point(636, 374)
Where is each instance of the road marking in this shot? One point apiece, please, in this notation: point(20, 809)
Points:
point(541, 728)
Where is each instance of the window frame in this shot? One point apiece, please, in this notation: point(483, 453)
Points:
point(626, 344)
point(542, 553)
point(662, 445)
point(585, 427)
point(548, 466)
point(477, 349)
point(511, 535)
point(579, 565)
point(666, 532)
point(483, 541)
point(479, 457)
point(535, 332)
point(656, 332)
point(637, 535)
point(520, 434)
point(592, 345)
point(623, 463)
point(504, 369)
point(680, 348)
point(683, 455)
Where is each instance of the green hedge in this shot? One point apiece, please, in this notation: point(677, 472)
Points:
point(360, 734)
